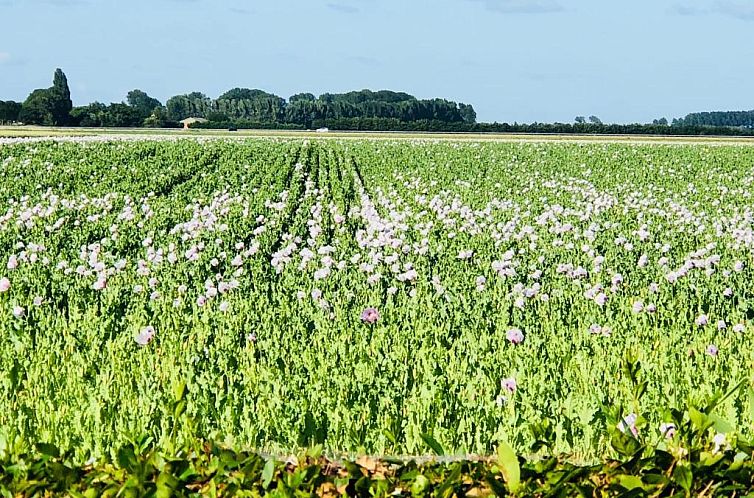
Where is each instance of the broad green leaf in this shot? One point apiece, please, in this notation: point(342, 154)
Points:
point(508, 463)
point(433, 444)
point(267, 473)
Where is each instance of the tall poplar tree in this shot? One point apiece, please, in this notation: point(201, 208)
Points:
point(61, 97)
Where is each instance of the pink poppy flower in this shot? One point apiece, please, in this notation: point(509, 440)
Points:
point(370, 315)
point(668, 430)
point(509, 384)
point(145, 336)
point(515, 336)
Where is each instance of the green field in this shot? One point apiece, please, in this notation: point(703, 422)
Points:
point(510, 283)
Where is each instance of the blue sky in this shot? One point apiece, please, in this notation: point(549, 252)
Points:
point(514, 60)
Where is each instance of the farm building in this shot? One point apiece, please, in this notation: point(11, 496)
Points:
point(189, 121)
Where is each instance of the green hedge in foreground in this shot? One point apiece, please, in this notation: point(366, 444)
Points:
point(215, 471)
point(696, 457)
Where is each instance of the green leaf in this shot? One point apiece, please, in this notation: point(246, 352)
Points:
point(720, 425)
point(433, 444)
point(166, 485)
point(508, 463)
point(630, 482)
point(48, 450)
point(390, 436)
point(420, 485)
point(683, 476)
point(267, 473)
point(180, 408)
point(707, 459)
point(624, 444)
point(315, 451)
point(179, 390)
point(699, 419)
point(640, 389)
point(453, 478)
point(127, 458)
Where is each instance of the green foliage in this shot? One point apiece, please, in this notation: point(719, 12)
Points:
point(61, 95)
point(467, 112)
point(50, 106)
point(246, 94)
point(303, 97)
point(194, 104)
point(113, 115)
point(139, 469)
point(267, 365)
point(143, 103)
point(159, 119)
point(218, 117)
point(364, 110)
point(242, 104)
point(91, 115)
point(743, 119)
point(38, 108)
point(9, 111)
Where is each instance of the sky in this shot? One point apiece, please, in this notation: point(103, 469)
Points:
point(514, 60)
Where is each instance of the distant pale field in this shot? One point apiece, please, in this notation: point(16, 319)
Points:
point(40, 131)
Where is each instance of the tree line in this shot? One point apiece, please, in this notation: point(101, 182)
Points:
point(242, 104)
point(743, 119)
point(53, 107)
point(387, 124)
point(363, 110)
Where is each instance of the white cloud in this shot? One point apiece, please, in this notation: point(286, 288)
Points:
point(4, 57)
point(739, 10)
point(731, 8)
point(523, 6)
point(686, 10)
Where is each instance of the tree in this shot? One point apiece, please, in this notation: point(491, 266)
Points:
point(244, 93)
point(122, 115)
point(142, 103)
point(467, 113)
point(113, 115)
point(50, 106)
point(743, 119)
point(580, 119)
point(301, 97)
point(61, 95)
point(595, 120)
point(660, 122)
point(159, 119)
point(218, 117)
point(92, 115)
point(38, 108)
point(192, 105)
point(9, 111)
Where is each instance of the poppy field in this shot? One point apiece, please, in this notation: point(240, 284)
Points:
point(385, 297)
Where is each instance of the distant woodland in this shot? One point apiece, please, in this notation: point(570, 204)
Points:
point(720, 118)
point(365, 110)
